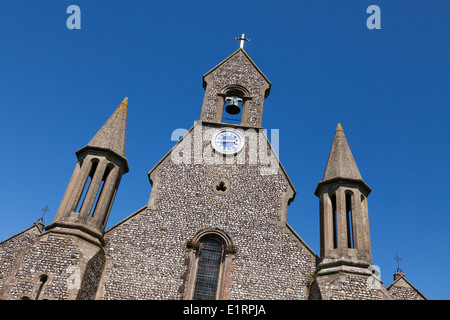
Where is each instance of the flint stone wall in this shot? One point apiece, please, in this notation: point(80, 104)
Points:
point(355, 288)
point(346, 286)
point(9, 249)
point(48, 255)
point(401, 293)
point(147, 256)
point(402, 290)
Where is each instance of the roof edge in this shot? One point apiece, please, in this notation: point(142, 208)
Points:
point(409, 283)
point(22, 232)
point(325, 183)
point(251, 61)
point(124, 220)
point(88, 148)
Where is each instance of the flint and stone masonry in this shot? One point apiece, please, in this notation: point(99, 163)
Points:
point(214, 229)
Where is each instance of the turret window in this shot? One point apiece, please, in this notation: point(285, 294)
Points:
point(99, 193)
point(349, 218)
point(87, 184)
point(333, 205)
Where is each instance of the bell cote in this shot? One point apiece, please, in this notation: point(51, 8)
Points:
point(235, 91)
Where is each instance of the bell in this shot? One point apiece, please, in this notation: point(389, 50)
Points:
point(233, 106)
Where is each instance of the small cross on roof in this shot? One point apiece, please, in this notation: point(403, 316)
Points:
point(242, 38)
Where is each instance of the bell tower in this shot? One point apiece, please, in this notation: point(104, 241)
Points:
point(235, 87)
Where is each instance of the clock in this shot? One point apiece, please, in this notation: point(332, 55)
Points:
point(227, 141)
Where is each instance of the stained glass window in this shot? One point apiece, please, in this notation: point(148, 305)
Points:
point(208, 270)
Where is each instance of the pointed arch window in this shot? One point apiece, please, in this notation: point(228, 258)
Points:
point(42, 280)
point(210, 254)
point(334, 220)
point(208, 270)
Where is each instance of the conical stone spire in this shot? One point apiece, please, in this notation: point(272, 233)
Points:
point(341, 163)
point(113, 133)
point(344, 223)
point(111, 136)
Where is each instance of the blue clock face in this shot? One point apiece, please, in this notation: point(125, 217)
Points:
point(227, 141)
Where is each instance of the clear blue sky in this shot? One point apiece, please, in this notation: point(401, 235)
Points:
point(389, 88)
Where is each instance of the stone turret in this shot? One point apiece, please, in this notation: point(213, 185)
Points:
point(345, 251)
point(66, 261)
point(87, 202)
point(345, 237)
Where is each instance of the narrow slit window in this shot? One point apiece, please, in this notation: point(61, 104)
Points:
point(42, 281)
point(333, 205)
point(99, 193)
point(102, 184)
point(208, 270)
point(348, 209)
point(86, 187)
point(83, 195)
point(110, 203)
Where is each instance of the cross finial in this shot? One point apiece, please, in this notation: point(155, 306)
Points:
point(242, 38)
point(45, 211)
point(397, 258)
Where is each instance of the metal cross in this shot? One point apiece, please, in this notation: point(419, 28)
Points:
point(397, 258)
point(45, 211)
point(242, 38)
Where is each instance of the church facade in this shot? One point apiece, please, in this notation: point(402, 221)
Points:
point(215, 225)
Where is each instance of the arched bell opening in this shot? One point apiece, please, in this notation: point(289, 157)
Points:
point(233, 101)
